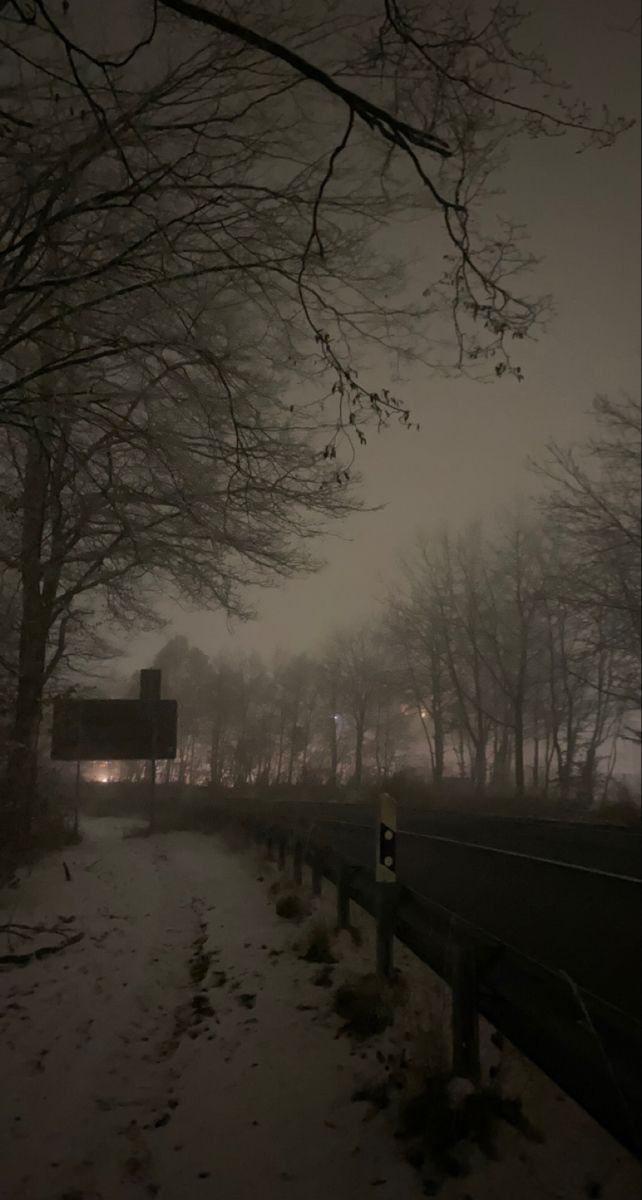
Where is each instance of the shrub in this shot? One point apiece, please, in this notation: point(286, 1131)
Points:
point(291, 907)
point(444, 1126)
point(367, 1005)
point(316, 945)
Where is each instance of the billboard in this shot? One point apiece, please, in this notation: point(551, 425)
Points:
point(100, 730)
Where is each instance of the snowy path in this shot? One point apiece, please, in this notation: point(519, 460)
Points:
point(116, 1085)
point(181, 1049)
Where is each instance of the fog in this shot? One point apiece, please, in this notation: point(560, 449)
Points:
point(320, 620)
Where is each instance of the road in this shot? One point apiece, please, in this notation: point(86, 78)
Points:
point(602, 847)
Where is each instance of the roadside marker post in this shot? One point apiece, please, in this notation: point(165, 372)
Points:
point(386, 881)
point(77, 789)
point(386, 851)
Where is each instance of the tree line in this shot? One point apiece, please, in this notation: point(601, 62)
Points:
point(507, 655)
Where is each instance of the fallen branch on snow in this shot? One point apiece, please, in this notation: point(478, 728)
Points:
point(27, 933)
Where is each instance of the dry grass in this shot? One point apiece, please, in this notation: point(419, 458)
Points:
point(51, 829)
point(235, 838)
point(292, 907)
point(443, 1125)
point(368, 1004)
point(316, 943)
point(137, 831)
point(284, 883)
point(623, 810)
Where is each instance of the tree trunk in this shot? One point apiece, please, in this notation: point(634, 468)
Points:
point(281, 750)
point(215, 745)
point(438, 726)
point(536, 760)
point(334, 751)
point(495, 766)
point(292, 753)
point(549, 751)
point(460, 751)
point(22, 765)
point(519, 752)
point(479, 767)
point(182, 763)
point(358, 752)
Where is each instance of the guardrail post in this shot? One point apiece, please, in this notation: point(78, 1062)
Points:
point(317, 873)
point(386, 913)
point(298, 863)
point(465, 1016)
point(343, 897)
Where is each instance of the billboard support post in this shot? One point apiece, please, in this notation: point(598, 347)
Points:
point(150, 691)
point(77, 791)
point(152, 783)
point(77, 798)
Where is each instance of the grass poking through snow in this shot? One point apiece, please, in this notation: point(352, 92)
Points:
point(316, 944)
point(448, 1120)
point(368, 1004)
point(292, 907)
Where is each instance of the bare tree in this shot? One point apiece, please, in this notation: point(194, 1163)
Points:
point(113, 503)
point(593, 510)
point(187, 678)
point(513, 594)
point(357, 652)
point(393, 110)
point(329, 693)
point(413, 620)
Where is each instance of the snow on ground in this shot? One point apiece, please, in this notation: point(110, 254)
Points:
point(182, 1049)
point(111, 1090)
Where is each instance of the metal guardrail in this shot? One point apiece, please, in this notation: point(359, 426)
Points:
point(589, 1048)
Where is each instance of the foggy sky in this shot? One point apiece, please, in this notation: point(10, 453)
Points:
point(582, 212)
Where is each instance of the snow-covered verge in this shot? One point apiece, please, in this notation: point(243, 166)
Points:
point(165, 1053)
point(561, 1154)
point(181, 1048)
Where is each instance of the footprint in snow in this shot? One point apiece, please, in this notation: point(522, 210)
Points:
point(247, 999)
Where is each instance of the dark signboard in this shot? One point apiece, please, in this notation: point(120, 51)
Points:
point(100, 730)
